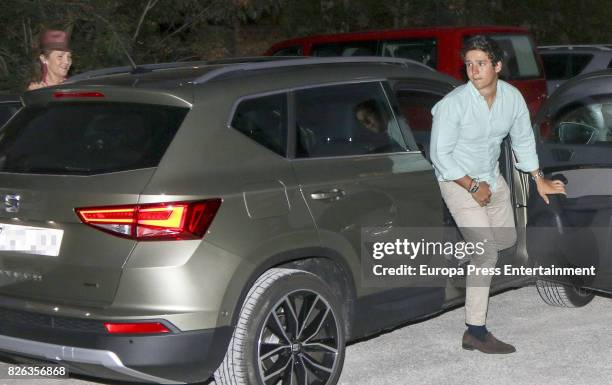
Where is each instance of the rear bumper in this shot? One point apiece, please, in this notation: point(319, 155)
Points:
point(71, 356)
point(173, 358)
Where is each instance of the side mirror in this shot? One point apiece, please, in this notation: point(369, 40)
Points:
point(575, 133)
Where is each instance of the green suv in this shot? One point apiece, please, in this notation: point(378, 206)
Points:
point(175, 222)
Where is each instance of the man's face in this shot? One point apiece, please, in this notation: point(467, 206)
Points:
point(480, 70)
point(371, 121)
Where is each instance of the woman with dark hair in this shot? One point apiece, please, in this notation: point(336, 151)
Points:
point(54, 60)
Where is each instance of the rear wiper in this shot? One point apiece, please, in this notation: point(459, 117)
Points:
point(51, 170)
point(77, 169)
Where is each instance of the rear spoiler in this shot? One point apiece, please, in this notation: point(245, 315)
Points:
point(97, 93)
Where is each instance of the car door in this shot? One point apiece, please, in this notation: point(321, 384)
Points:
point(575, 146)
point(357, 182)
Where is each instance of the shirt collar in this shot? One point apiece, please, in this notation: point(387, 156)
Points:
point(474, 91)
point(477, 94)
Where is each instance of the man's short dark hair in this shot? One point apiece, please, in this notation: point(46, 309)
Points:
point(485, 44)
point(369, 105)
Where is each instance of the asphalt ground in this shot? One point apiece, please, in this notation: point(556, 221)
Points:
point(554, 346)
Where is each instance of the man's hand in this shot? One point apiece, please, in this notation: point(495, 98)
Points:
point(547, 186)
point(483, 195)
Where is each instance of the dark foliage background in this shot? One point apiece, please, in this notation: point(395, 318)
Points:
point(169, 30)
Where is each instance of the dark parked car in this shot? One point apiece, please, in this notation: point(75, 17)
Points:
point(9, 105)
point(165, 224)
point(563, 62)
point(575, 145)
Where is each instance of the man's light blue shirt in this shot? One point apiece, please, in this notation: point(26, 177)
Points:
point(466, 135)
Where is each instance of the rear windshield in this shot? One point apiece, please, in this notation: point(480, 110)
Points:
point(87, 138)
point(7, 110)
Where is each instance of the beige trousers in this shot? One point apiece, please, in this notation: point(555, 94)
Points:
point(493, 224)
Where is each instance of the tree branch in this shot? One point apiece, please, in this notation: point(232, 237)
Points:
point(182, 27)
point(150, 5)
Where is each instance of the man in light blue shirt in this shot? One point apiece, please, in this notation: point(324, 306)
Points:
point(469, 125)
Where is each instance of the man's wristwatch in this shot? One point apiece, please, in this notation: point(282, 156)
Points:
point(474, 185)
point(537, 176)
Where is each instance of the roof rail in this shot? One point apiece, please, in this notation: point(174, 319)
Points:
point(250, 66)
point(250, 59)
point(128, 69)
point(601, 47)
point(243, 64)
point(171, 65)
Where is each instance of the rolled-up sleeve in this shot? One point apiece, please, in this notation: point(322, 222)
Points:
point(444, 136)
point(523, 139)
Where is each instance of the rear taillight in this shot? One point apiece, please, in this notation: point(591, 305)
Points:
point(151, 222)
point(136, 328)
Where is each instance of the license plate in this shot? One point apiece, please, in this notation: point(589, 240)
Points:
point(30, 240)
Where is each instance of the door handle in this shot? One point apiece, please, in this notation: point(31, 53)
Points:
point(333, 194)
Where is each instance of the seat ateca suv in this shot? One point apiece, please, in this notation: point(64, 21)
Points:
point(188, 220)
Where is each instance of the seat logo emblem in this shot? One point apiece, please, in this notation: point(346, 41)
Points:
point(12, 203)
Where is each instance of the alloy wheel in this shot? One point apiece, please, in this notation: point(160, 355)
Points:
point(298, 343)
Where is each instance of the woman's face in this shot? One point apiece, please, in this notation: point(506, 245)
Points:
point(58, 63)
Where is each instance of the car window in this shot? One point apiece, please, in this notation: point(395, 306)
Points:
point(520, 61)
point(421, 50)
point(290, 51)
point(578, 62)
point(583, 123)
point(349, 48)
point(264, 119)
point(416, 106)
point(348, 119)
point(87, 138)
point(556, 66)
point(610, 64)
point(559, 66)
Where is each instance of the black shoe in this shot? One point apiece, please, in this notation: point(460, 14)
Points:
point(490, 345)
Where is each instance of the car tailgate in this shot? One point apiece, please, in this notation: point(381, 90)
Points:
point(55, 256)
point(76, 149)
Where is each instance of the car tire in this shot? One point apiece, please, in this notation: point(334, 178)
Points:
point(290, 324)
point(557, 294)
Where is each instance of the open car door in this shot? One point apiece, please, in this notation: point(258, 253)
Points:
point(575, 145)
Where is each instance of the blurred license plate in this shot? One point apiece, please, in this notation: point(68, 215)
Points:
point(30, 240)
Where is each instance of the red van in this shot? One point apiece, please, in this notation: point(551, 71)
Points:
point(438, 47)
